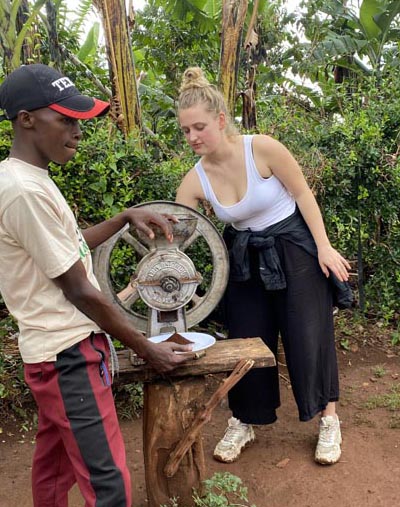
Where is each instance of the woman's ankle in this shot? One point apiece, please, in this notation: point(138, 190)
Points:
point(330, 409)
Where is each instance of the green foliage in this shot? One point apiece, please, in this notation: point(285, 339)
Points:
point(12, 36)
point(344, 134)
point(186, 11)
point(345, 344)
point(5, 139)
point(164, 45)
point(110, 173)
point(379, 371)
point(129, 400)
point(351, 161)
point(389, 400)
point(90, 47)
point(275, 30)
point(361, 190)
point(99, 181)
point(395, 338)
point(159, 181)
point(15, 398)
point(339, 33)
point(223, 489)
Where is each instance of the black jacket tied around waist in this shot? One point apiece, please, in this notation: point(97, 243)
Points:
point(292, 229)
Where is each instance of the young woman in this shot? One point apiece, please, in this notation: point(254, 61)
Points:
point(281, 266)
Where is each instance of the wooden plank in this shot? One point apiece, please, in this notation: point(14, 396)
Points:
point(221, 357)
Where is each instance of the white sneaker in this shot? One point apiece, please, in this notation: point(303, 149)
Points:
point(237, 436)
point(328, 448)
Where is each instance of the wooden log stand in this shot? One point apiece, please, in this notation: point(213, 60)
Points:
point(175, 410)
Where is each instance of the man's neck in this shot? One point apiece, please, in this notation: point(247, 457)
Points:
point(27, 156)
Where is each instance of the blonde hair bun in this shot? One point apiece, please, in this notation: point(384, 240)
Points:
point(193, 77)
point(197, 90)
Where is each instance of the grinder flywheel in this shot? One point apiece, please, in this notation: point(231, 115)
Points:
point(162, 292)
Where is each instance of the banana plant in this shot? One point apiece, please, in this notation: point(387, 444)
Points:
point(231, 17)
point(377, 20)
point(362, 42)
point(203, 13)
point(126, 106)
point(13, 36)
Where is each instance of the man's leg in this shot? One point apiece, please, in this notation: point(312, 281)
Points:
point(52, 472)
point(75, 394)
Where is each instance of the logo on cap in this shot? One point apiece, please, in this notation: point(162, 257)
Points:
point(62, 83)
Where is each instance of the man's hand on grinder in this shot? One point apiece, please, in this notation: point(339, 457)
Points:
point(145, 220)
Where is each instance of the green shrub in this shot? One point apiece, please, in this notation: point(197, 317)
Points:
point(351, 162)
point(221, 490)
point(16, 401)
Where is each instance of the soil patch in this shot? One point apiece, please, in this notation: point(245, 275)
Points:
point(278, 469)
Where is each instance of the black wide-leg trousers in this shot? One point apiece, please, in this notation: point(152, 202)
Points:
point(302, 315)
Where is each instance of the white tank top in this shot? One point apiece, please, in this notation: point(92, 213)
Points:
point(265, 202)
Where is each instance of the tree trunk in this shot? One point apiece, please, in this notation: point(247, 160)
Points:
point(54, 45)
point(126, 107)
point(249, 114)
point(233, 18)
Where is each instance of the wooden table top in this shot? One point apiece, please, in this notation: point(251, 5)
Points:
point(221, 357)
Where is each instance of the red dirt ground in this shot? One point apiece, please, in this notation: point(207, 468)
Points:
point(278, 469)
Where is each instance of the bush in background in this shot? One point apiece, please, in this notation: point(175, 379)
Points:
point(351, 160)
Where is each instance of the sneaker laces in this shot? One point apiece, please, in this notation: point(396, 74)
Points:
point(232, 434)
point(327, 433)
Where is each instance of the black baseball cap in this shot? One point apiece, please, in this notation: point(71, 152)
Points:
point(35, 86)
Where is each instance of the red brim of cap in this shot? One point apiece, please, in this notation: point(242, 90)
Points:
point(99, 108)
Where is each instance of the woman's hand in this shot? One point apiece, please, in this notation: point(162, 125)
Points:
point(331, 260)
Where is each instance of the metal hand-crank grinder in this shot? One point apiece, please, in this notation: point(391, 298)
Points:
point(162, 296)
point(165, 279)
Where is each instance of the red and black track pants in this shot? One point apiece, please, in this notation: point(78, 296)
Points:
point(78, 438)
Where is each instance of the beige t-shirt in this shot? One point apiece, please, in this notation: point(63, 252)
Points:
point(39, 240)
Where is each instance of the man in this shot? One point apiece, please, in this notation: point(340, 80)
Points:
point(47, 282)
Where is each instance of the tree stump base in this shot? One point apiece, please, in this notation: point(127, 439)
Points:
point(169, 410)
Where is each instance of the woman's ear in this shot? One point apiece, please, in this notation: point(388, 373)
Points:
point(222, 120)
